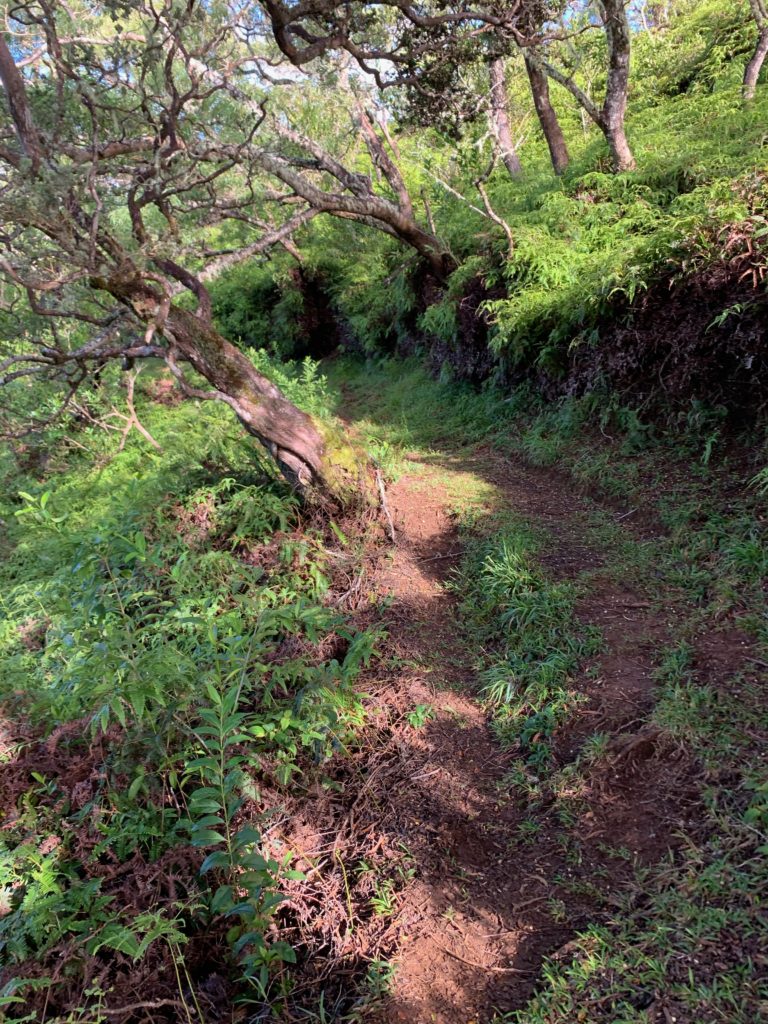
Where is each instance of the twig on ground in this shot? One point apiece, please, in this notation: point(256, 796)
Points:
point(384, 505)
point(482, 967)
point(154, 1005)
point(437, 558)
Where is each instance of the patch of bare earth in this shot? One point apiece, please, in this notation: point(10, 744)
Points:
point(487, 901)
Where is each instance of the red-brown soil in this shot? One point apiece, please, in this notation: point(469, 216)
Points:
point(478, 919)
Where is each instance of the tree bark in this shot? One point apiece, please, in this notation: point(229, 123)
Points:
point(364, 206)
point(622, 157)
point(18, 104)
point(550, 125)
point(502, 130)
point(381, 159)
point(614, 110)
point(755, 64)
point(315, 459)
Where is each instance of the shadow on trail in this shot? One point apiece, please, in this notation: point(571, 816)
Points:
point(492, 882)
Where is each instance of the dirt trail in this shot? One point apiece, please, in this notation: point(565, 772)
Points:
point(492, 892)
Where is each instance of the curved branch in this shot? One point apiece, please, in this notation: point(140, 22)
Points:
point(277, 236)
point(568, 83)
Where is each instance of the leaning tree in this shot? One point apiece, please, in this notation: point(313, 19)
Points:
point(132, 130)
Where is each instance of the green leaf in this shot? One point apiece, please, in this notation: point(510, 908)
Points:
point(217, 859)
point(208, 730)
point(118, 710)
point(272, 900)
point(209, 819)
point(243, 909)
point(207, 837)
point(285, 952)
point(136, 785)
point(247, 834)
point(255, 862)
point(233, 806)
point(205, 793)
point(339, 533)
point(255, 938)
point(202, 762)
point(239, 737)
point(138, 703)
point(222, 899)
point(205, 807)
point(213, 694)
point(115, 936)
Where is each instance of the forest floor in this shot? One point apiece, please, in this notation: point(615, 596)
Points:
point(490, 900)
point(492, 874)
point(530, 782)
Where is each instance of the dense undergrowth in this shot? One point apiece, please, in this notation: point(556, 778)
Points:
point(168, 647)
point(170, 650)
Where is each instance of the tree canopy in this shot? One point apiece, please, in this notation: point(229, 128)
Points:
point(148, 148)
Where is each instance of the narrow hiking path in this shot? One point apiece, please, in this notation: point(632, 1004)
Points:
point(498, 881)
point(444, 864)
point(442, 867)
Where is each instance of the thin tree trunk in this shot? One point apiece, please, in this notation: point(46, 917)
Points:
point(622, 157)
point(550, 125)
point(614, 110)
point(753, 68)
point(18, 104)
point(311, 455)
point(610, 117)
point(500, 119)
